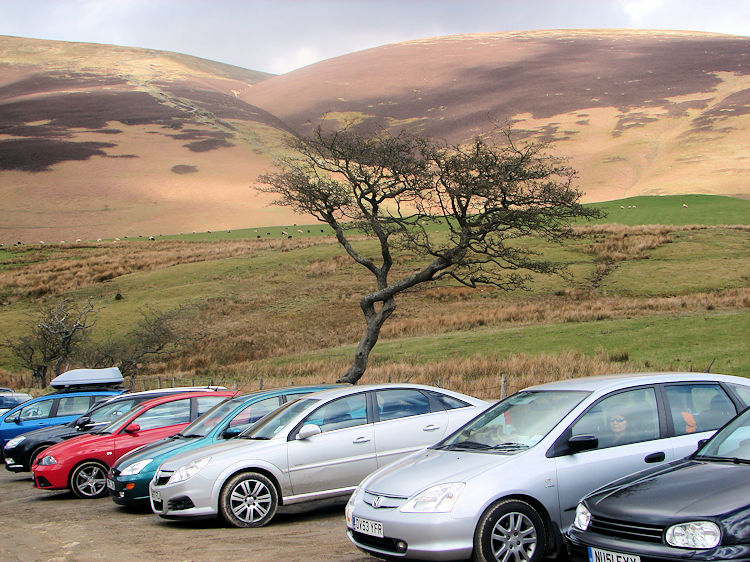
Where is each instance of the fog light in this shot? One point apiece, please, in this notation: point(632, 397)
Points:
point(400, 546)
point(130, 485)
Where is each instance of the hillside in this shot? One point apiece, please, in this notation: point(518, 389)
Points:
point(99, 141)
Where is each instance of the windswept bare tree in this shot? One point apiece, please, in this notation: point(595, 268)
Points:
point(397, 188)
point(52, 338)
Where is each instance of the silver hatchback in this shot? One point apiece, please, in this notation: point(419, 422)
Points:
point(502, 486)
point(318, 447)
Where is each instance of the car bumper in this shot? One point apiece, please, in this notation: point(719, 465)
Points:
point(51, 477)
point(578, 544)
point(427, 536)
point(190, 498)
point(126, 490)
point(12, 462)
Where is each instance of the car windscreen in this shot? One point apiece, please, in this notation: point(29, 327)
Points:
point(274, 422)
point(110, 411)
point(517, 423)
point(205, 423)
point(731, 443)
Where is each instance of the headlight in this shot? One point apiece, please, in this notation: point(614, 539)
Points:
point(189, 470)
point(47, 460)
point(15, 441)
point(438, 499)
point(695, 534)
point(583, 517)
point(135, 468)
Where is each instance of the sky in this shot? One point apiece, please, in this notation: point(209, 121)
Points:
point(277, 36)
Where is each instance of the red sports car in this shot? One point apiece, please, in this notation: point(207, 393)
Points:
point(82, 463)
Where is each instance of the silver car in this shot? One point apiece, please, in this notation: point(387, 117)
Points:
point(502, 486)
point(320, 446)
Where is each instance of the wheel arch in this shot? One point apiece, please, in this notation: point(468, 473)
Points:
point(36, 450)
point(258, 469)
point(551, 529)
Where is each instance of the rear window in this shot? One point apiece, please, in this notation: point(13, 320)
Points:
point(448, 402)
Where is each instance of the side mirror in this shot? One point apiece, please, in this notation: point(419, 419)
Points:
point(82, 422)
point(579, 443)
point(132, 428)
point(308, 430)
point(231, 432)
point(701, 443)
point(14, 419)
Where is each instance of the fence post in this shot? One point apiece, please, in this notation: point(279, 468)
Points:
point(158, 382)
point(503, 387)
point(260, 384)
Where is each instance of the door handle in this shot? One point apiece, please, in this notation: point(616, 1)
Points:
point(431, 427)
point(361, 440)
point(655, 457)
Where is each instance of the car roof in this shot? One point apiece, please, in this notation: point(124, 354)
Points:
point(180, 395)
point(625, 380)
point(354, 389)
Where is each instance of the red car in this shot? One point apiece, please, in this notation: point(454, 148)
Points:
point(82, 463)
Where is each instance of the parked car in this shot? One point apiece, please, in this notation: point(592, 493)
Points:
point(10, 399)
point(319, 446)
point(504, 485)
point(130, 476)
point(697, 508)
point(82, 463)
point(61, 406)
point(21, 451)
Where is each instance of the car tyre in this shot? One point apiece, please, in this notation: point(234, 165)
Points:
point(510, 530)
point(36, 454)
point(89, 480)
point(248, 499)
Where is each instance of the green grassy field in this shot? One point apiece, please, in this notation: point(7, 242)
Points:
point(290, 308)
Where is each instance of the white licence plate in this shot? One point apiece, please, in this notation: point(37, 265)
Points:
point(599, 555)
point(367, 527)
point(110, 484)
point(155, 495)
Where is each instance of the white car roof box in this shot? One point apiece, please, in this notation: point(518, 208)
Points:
point(110, 376)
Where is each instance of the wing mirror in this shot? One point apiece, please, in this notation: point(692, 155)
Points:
point(132, 428)
point(231, 432)
point(14, 419)
point(579, 443)
point(308, 430)
point(82, 422)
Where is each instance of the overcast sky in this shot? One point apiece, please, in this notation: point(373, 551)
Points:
point(281, 35)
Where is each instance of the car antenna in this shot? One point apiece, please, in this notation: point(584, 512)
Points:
point(711, 364)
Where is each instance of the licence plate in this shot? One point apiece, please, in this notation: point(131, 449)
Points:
point(367, 527)
point(110, 484)
point(599, 555)
point(155, 495)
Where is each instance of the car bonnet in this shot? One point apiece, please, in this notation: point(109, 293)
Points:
point(430, 467)
point(243, 448)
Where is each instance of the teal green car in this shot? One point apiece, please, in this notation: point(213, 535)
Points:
point(128, 479)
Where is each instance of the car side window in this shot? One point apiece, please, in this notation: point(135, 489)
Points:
point(163, 415)
point(742, 391)
point(698, 407)
point(448, 402)
point(72, 405)
point(205, 403)
point(625, 417)
point(36, 411)
point(254, 412)
point(401, 403)
point(348, 411)
point(111, 411)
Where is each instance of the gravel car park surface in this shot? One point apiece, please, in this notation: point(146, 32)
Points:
point(42, 525)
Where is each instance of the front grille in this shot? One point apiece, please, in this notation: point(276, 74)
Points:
point(385, 544)
point(177, 504)
point(626, 530)
point(382, 501)
point(163, 476)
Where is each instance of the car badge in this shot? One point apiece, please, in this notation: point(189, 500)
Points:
point(377, 501)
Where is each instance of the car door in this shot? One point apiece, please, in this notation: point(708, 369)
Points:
point(340, 456)
point(641, 447)
point(407, 420)
point(694, 412)
point(28, 418)
point(154, 423)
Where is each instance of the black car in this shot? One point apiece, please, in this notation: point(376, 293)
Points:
point(21, 451)
point(697, 508)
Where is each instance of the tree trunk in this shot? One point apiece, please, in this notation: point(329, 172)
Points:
point(39, 375)
point(375, 321)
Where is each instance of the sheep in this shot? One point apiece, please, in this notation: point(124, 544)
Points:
point(684, 205)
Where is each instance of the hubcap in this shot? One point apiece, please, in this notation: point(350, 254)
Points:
point(91, 480)
point(513, 538)
point(250, 501)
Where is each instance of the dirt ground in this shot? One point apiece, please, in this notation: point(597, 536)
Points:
point(56, 526)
